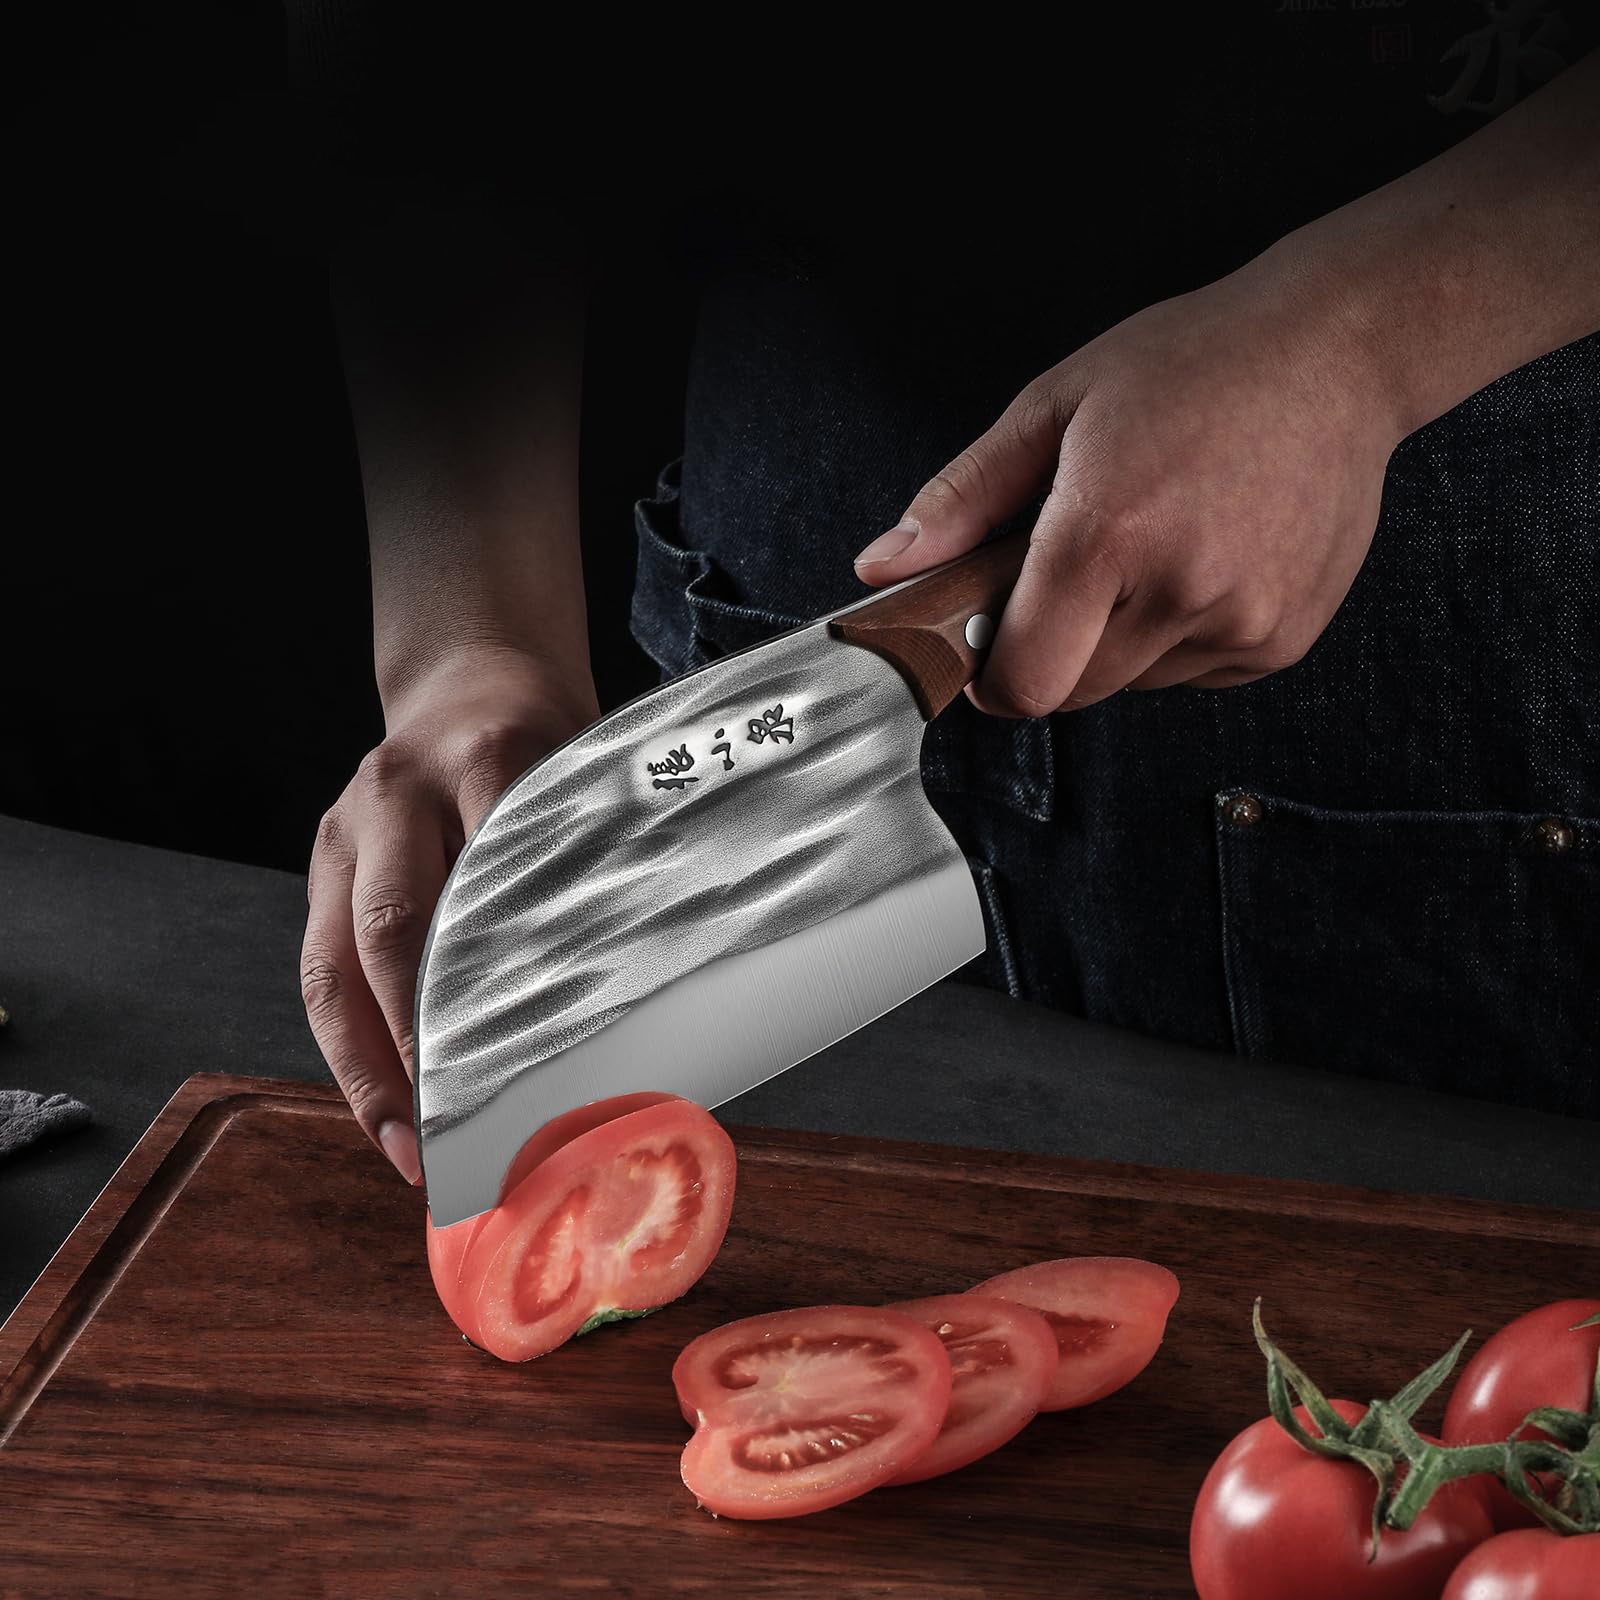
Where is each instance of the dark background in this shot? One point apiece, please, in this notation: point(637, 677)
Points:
point(185, 620)
point(185, 645)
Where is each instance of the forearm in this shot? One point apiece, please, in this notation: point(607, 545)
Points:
point(1477, 261)
point(463, 352)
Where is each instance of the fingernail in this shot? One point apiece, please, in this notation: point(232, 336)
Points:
point(399, 1141)
point(890, 544)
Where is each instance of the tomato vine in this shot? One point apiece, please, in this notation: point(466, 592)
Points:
point(1410, 1469)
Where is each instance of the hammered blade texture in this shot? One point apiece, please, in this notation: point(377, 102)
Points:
point(723, 813)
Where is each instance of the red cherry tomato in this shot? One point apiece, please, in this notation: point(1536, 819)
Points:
point(1109, 1314)
point(799, 1410)
point(1002, 1360)
point(1529, 1564)
point(1535, 1361)
point(1273, 1521)
point(620, 1218)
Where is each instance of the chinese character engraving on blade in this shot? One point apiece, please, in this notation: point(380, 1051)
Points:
point(677, 762)
point(772, 725)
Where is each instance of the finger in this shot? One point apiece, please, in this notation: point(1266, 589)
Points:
point(1126, 649)
point(1048, 633)
point(1056, 615)
point(1229, 658)
point(400, 869)
point(1229, 677)
point(346, 1020)
point(992, 479)
point(1200, 668)
point(1181, 664)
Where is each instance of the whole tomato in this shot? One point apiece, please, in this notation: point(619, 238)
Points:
point(1275, 1522)
point(1529, 1564)
point(1535, 1361)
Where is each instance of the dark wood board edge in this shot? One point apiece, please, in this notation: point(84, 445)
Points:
point(41, 1330)
point(49, 1317)
point(1237, 1191)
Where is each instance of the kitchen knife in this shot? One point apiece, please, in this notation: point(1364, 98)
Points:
point(706, 886)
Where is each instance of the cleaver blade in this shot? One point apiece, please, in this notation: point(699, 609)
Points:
point(705, 887)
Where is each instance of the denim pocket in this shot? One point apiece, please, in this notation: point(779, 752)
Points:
point(1011, 763)
point(684, 615)
point(1456, 950)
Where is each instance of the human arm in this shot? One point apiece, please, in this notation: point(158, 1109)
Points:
point(462, 343)
point(1215, 463)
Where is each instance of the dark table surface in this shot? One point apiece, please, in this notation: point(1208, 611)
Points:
point(126, 969)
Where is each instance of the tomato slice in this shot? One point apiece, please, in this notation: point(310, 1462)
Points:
point(1109, 1314)
point(622, 1217)
point(1003, 1358)
point(796, 1411)
point(449, 1248)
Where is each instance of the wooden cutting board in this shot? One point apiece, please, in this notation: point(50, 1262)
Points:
point(234, 1378)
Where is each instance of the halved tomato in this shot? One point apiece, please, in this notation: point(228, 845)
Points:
point(448, 1248)
point(1002, 1360)
point(565, 1128)
point(606, 1220)
point(1109, 1314)
point(796, 1411)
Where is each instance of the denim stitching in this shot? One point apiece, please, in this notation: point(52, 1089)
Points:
point(1510, 836)
point(1029, 748)
point(989, 891)
point(1233, 979)
point(1277, 804)
point(1585, 830)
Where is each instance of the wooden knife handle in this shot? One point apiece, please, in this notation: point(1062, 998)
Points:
point(923, 629)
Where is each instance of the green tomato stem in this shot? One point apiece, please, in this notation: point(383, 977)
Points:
point(612, 1314)
point(1384, 1441)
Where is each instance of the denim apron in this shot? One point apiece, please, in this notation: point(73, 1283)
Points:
point(1384, 860)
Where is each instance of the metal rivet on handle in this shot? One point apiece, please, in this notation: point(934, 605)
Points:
point(979, 631)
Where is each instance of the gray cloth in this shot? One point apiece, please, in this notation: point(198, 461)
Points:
point(26, 1117)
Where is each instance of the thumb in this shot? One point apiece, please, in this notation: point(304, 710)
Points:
point(992, 479)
